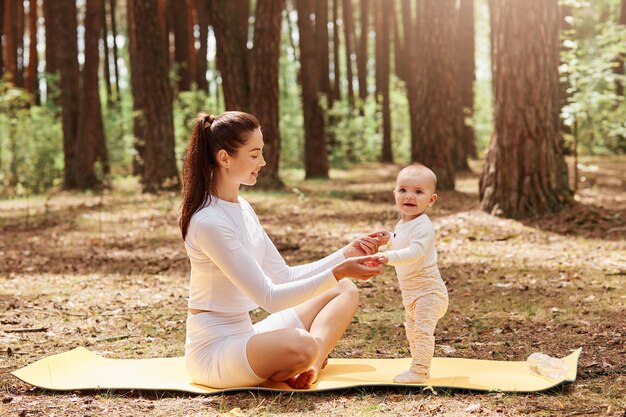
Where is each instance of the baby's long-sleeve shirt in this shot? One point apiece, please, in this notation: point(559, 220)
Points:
point(411, 250)
point(235, 267)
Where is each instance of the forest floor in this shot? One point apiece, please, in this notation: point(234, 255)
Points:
point(109, 272)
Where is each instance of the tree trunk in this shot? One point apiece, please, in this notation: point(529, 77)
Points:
point(348, 33)
point(264, 85)
point(229, 20)
point(408, 67)
point(10, 41)
point(361, 56)
point(466, 146)
point(619, 64)
point(138, 120)
point(116, 70)
point(153, 96)
point(52, 39)
point(2, 3)
point(19, 42)
point(202, 63)
point(315, 151)
point(382, 75)
point(321, 35)
point(181, 44)
point(192, 21)
point(525, 172)
point(438, 113)
point(107, 62)
point(336, 90)
point(91, 144)
point(66, 51)
point(32, 82)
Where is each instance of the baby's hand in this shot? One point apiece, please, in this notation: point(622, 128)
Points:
point(383, 258)
point(382, 237)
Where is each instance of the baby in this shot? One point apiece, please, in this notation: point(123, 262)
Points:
point(411, 250)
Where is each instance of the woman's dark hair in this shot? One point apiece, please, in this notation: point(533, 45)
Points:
point(229, 131)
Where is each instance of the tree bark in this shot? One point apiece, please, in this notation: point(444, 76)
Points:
point(438, 106)
point(619, 64)
point(202, 63)
point(2, 3)
point(154, 96)
point(116, 70)
point(65, 50)
point(348, 33)
point(19, 41)
point(264, 85)
point(91, 145)
point(229, 21)
point(525, 172)
point(32, 82)
point(315, 150)
point(321, 35)
point(361, 56)
point(107, 61)
point(10, 41)
point(466, 146)
point(383, 12)
point(181, 44)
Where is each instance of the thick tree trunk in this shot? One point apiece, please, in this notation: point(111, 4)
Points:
point(438, 114)
point(348, 33)
point(382, 75)
point(315, 150)
point(321, 35)
point(229, 21)
point(91, 145)
point(32, 82)
point(466, 146)
point(525, 172)
point(361, 56)
point(408, 70)
point(66, 51)
point(264, 85)
point(153, 96)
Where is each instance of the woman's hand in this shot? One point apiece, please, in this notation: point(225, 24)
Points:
point(362, 267)
point(366, 245)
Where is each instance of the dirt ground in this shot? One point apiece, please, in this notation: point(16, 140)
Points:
point(108, 271)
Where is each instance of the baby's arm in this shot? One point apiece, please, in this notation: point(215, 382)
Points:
point(422, 241)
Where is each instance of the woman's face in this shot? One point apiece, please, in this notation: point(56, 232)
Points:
point(247, 162)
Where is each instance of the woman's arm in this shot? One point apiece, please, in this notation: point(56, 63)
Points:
point(222, 246)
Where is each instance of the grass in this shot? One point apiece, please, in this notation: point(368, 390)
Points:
point(110, 273)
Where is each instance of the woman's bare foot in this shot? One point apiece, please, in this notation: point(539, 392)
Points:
point(304, 380)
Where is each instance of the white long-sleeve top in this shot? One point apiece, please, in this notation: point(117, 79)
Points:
point(236, 268)
point(411, 250)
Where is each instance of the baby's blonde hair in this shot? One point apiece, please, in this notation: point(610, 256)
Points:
point(422, 168)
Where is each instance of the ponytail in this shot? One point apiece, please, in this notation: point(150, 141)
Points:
point(228, 131)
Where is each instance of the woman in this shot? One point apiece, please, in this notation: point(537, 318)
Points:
point(235, 268)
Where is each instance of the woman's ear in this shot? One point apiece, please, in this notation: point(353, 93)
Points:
point(223, 158)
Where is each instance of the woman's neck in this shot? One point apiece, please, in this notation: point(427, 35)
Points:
point(225, 190)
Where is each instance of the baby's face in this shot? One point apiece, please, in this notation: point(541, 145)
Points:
point(414, 193)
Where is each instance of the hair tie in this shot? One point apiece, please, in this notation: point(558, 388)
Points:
point(209, 121)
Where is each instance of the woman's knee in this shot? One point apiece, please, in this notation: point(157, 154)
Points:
point(350, 290)
point(303, 348)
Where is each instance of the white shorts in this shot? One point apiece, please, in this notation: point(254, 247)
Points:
point(215, 346)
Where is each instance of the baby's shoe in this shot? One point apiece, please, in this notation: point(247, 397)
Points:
point(410, 377)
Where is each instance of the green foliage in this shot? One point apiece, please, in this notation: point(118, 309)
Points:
point(118, 131)
point(31, 158)
point(595, 114)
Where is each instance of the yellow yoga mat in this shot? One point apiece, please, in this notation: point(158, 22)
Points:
point(81, 369)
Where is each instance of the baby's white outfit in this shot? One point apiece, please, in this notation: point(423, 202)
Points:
point(236, 268)
point(411, 250)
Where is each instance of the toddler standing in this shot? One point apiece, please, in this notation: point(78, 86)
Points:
point(411, 250)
